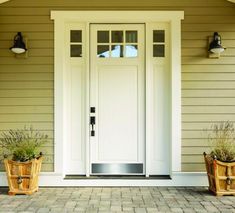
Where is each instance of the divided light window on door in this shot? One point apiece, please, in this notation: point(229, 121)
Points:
point(117, 44)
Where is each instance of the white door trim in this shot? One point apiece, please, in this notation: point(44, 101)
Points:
point(172, 17)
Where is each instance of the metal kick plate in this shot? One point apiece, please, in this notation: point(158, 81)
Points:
point(116, 168)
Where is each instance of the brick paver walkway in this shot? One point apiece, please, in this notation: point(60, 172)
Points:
point(118, 199)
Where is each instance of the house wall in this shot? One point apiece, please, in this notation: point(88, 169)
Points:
point(208, 85)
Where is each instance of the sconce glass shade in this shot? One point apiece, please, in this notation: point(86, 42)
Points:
point(215, 45)
point(19, 45)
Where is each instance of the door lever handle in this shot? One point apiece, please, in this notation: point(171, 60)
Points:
point(92, 120)
point(92, 123)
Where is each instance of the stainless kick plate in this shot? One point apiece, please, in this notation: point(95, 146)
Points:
point(117, 168)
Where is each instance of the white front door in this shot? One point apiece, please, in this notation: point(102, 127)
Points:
point(117, 99)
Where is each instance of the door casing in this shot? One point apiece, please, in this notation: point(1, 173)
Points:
point(84, 19)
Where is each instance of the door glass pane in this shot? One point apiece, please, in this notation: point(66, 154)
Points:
point(103, 51)
point(76, 50)
point(131, 50)
point(75, 36)
point(158, 36)
point(103, 36)
point(117, 36)
point(117, 51)
point(158, 50)
point(131, 36)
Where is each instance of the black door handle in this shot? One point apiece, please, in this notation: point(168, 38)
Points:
point(92, 123)
point(92, 120)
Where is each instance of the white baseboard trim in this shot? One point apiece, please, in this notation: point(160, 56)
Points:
point(178, 179)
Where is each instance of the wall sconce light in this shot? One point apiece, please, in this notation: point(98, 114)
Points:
point(19, 46)
point(215, 47)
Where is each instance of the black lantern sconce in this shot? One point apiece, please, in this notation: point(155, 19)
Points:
point(215, 47)
point(19, 46)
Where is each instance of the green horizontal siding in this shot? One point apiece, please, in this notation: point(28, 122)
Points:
point(208, 85)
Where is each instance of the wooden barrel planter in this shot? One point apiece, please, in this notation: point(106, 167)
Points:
point(221, 176)
point(23, 176)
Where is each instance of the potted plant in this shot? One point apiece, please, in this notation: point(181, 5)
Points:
point(220, 162)
point(22, 158)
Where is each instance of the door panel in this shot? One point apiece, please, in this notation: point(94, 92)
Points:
point(118, 114)
point(117, 91)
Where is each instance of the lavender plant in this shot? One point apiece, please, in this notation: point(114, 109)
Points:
point(222, 141)
point(22, 144)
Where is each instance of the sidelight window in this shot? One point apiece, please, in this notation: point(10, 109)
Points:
point(75, 43)
point(158, 43)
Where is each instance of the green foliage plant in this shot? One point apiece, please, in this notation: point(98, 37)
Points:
point(221, 140)
point(22, 144)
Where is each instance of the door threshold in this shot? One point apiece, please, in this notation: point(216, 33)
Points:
point(123, 177)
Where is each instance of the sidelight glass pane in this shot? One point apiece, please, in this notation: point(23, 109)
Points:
point(103, 36)
point(158, 36)
point(131, 37)
point(117, 51)
point(158, 50)
point(75, 36)
point(131, 51)
point(76, 50)
point(103, 51)
point(117, 36)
